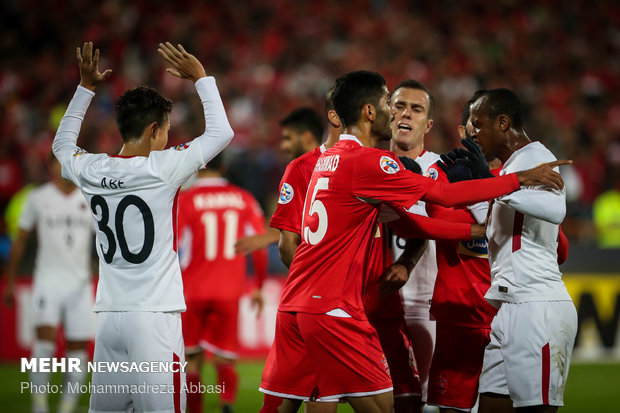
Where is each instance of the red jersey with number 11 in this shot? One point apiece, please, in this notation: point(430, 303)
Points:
point(213, 215)
point(331, 266)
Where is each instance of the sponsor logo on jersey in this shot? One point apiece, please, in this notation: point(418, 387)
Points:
point(389, 165)
point(474, 248)
point(182, 146)
point(432, 173)
point(385, 365)
point(286, 194)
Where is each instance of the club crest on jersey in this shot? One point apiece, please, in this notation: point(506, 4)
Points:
point(389, 165)
point(182, 146)
point(286, 194)
point(432, 173)
point(79, 151)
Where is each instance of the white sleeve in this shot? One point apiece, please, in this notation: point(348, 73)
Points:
point(176, 165)
point(65, 141)
point(28, 216)
point(479, 211)
point(538, 202)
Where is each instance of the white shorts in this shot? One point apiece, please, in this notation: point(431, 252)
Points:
point(422, 332)
point(72, 308)
point(530, 351)
point(139, 337)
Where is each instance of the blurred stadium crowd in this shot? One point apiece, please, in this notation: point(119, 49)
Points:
point(561, 57)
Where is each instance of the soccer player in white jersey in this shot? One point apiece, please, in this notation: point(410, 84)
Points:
point(532, 336)
point(62, 291)
point(413, 107)
point(132, 197)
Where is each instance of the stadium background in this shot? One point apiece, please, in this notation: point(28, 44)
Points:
point(561, 57)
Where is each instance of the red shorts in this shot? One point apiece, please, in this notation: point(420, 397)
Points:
point(317, 356)
point(456, 366)
point(399, 353)
point(211, 325)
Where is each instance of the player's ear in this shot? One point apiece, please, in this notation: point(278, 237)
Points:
point(333, 119)
point(503, 122)
point(369, 112)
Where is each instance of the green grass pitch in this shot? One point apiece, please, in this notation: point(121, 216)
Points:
point(591, 388)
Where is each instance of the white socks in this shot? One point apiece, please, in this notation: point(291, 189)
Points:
point(40, 380)
point(72, 381)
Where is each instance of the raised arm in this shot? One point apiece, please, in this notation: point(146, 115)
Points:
point(69, 129)
point(218, 132)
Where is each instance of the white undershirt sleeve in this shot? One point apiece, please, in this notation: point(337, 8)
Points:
point(218, 133)
point(538, 202)
point(65, 141)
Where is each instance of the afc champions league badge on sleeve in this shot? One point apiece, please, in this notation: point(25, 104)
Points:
point(389, 165)
point(432, 173)
point(286, 194)
point(182, 146)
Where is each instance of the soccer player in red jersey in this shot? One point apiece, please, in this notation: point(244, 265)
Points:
point(463, 317)
point(213, 214)
point(302, 134)
point(324, 346)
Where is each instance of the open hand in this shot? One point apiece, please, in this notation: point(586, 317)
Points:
point(185, 65)
point(543, 174)
point(88, 63)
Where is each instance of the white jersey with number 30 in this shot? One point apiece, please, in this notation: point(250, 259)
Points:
point(133, 203)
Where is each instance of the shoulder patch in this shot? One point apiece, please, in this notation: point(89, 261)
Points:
point(389, 165)
point(182, 146)
point(432, 173)
point(286, 194)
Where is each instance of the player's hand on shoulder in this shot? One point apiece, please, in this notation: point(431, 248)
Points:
point(88, 63)
point(544, 175)
point(184, 64)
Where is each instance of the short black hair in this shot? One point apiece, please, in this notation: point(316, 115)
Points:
point(503, 101)
point(139, 107)
point(355, 89)
point(329, 100)
point(305, 119)
point(414, 84)
point(467, 107)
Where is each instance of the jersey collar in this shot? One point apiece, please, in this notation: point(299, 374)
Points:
point(347, 137)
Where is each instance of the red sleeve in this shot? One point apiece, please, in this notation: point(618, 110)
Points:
point(446, 213)
point(259, 257)
point(419, 226)
point(289, 210)
point(380, 175)
point(471, 192)
point(562, 246)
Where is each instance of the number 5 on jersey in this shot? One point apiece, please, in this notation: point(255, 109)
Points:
point(317, 207)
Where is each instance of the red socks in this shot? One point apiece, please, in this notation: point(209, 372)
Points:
point(194, 397)
point(228, 380)
point(271, 404)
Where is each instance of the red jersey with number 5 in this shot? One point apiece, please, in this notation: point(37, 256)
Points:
point(213, 215)
point(331, 266)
